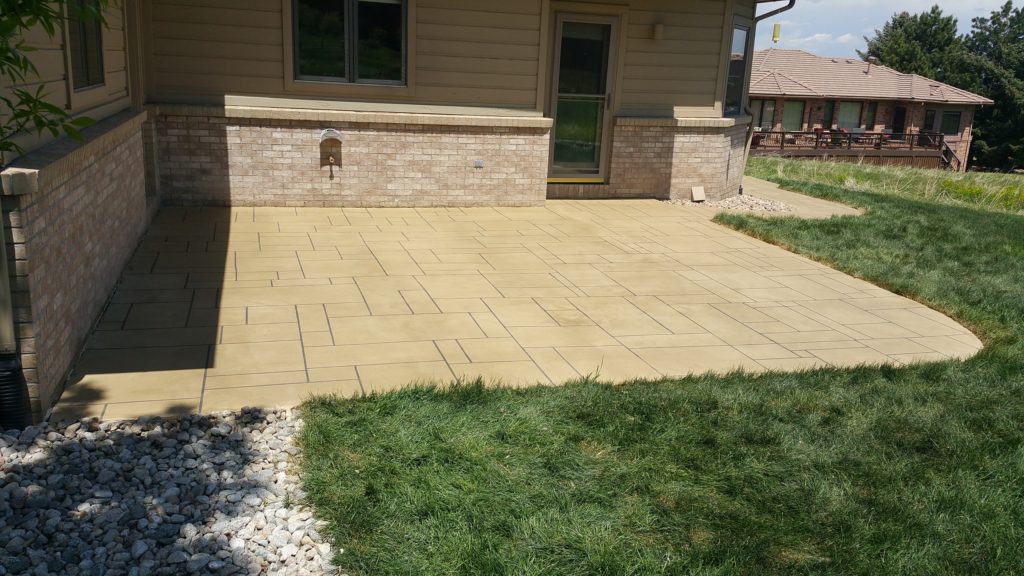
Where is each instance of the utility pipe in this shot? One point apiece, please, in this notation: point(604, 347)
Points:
point(750, 127)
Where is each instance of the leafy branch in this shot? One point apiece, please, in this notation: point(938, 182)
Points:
point(26, 111)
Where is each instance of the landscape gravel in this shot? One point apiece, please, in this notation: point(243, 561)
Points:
point(212, 494)
point(745, 202)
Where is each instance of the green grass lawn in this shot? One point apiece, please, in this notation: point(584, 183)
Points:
point(994, 191)
point(903, 471)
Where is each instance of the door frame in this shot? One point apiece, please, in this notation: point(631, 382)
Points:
point(616, 20)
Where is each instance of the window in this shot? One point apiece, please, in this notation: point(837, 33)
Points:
point(950, 123)
point(830, 112)
point(872, 117)
point(360, 41)
point(768, 115)
point(737, 79)
point(849, 115)
point(85, 43)
point(793, 116)
point(764, 114)
point(929, 120)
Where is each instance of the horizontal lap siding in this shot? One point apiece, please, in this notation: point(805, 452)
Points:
point(471, 52)
point(680, 69)
point(115, 59)
point(218, 47)
point(478, 52)
point(47, 54)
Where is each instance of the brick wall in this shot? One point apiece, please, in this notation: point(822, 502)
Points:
point(273, 157)
point(665, 157)
point(73, 214)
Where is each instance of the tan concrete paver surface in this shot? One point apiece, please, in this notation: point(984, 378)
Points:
point(229, 307)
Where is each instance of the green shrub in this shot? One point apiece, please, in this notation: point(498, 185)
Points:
point(961, 190)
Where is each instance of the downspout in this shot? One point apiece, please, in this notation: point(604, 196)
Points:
point(15, 409)
point(750, 127)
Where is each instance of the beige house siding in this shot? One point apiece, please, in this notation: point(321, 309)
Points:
point(51, 61)
point(466, 52)
point(679, 73)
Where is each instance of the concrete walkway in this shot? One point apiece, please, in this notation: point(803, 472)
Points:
point(232, 307)
point(803, 206)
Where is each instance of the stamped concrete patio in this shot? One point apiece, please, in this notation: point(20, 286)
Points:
point(224, 308)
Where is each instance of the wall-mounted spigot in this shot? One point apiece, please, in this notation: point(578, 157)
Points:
point(330, 149)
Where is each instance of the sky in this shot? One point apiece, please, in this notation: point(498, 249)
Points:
point(838, 27)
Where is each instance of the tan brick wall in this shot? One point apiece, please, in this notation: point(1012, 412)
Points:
point(709, 157)
point(216, 160)
point(68, 241)
point(664, 158)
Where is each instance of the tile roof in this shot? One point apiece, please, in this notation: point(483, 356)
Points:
point(798, 73)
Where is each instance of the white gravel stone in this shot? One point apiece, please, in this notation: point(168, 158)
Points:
point(210, 494)
point(746, 203)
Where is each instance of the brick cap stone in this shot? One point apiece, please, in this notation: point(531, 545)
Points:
point(19, 181)
point(309, 114)
point(22, 177)
point(683, 122)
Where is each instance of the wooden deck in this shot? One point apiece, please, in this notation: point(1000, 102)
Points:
point(916, 150)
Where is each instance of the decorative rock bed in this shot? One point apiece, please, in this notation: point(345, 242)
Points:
point(746, 203)
point(196, 495)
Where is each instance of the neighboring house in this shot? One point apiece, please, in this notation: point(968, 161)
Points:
point(357, 103)
point(795, 91)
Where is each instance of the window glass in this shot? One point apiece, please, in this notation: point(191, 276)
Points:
point(793, 116)
point(929, 120)
point(320, 39)
point(381, 34)
point(849, 115)
point(830, 113)
point(350, 40)
point(756, 108)
point(584, 58)
point(85, 42)
point(737, 79)
point(872, 116)
point(950, 123)
point(768, 115)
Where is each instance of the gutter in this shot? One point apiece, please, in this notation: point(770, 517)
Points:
point(750, 127)
point(775, 12)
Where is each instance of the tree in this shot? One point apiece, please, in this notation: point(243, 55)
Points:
point(995, 56)
point(922, 44)
point(988, 61)
point(26, 110)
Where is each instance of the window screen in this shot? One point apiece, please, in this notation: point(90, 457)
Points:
point(793, 116)
point(951, 123)
point(872, 115)
point(849, 115)
point(85, 43)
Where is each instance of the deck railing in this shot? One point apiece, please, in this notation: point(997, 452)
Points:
point(840, 140)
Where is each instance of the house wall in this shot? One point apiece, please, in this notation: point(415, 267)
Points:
point(50, 59)
point(478, 53)
point(467, 59)
point(245, 157)
point(814, 115)
point(73, 214)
